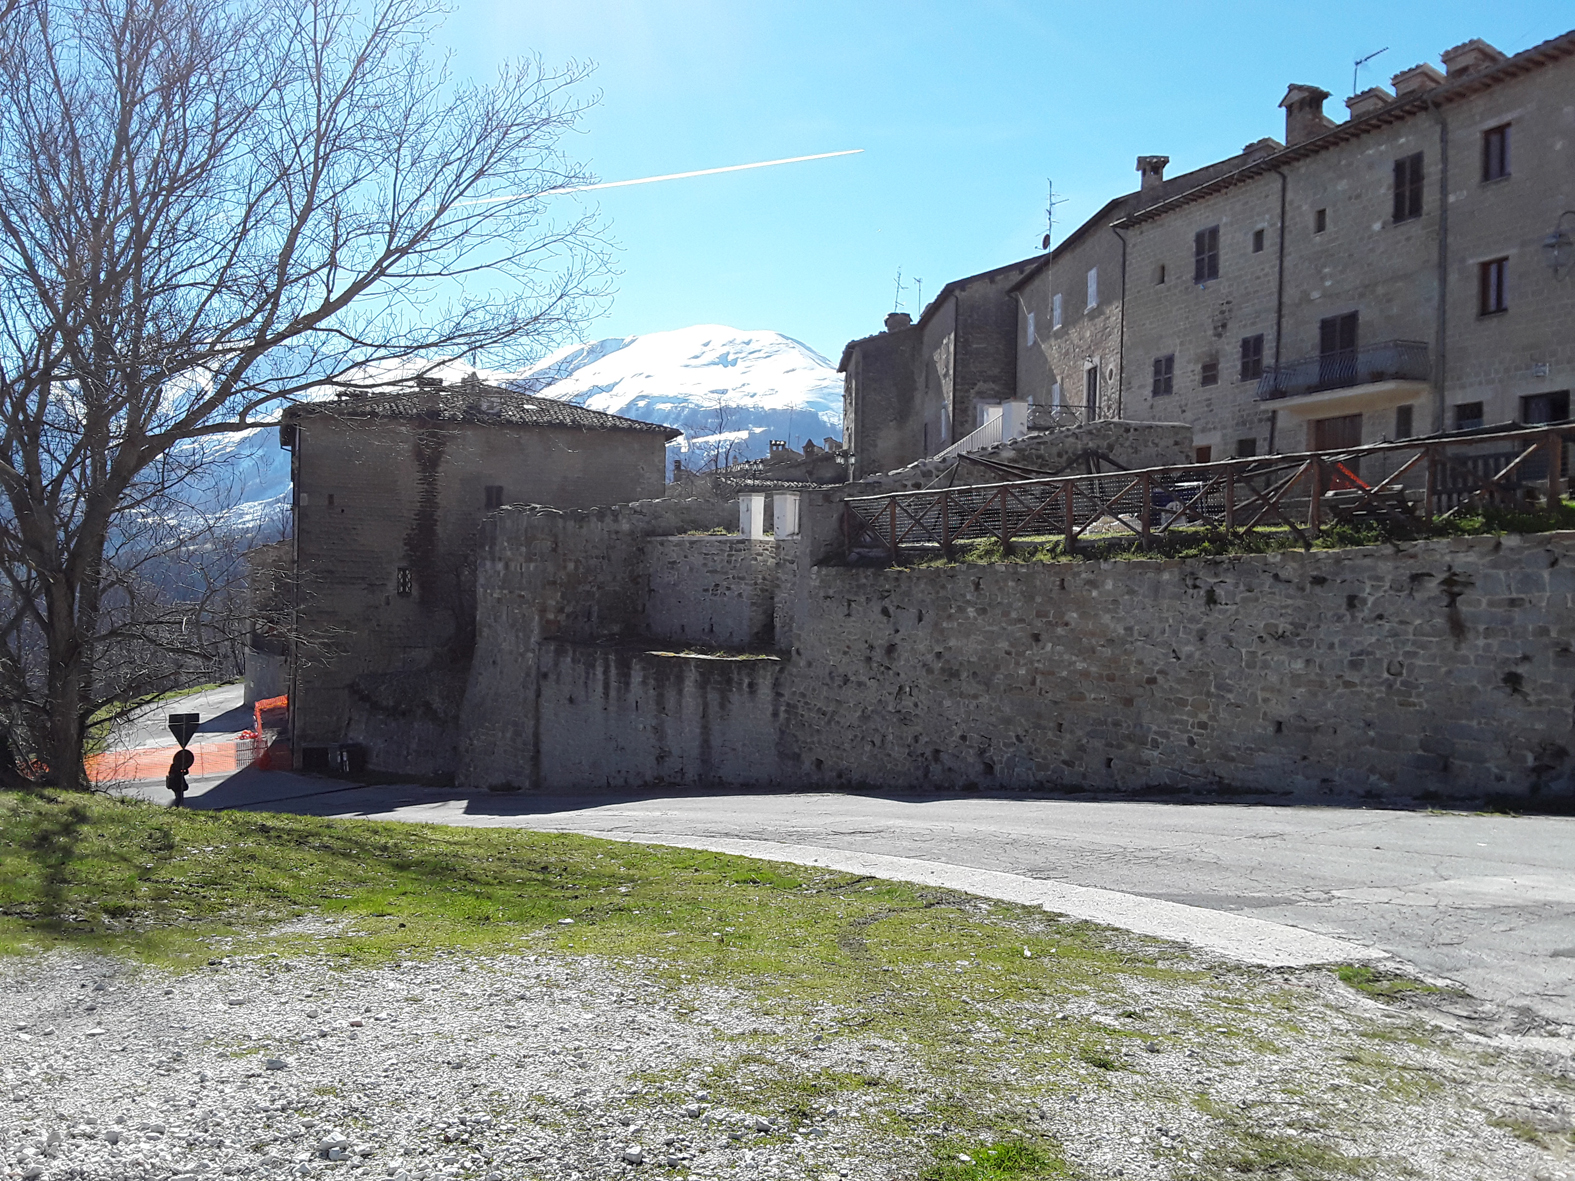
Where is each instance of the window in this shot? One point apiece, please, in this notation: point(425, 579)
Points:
point(1164, 375)
point(1403, 421)
point(1257, 241)
point(1030, 328)
point(1206, 255)
point(1495, 153)
point(1408, 187)
point(1055, 395)
point(1159, 276)
point(1203, 454)
point(1553, 407)
point(1337, 351)
point(402, 582)
point(1055, 312)
point(1252, 357)
point(1091, 392)
point(1468, 416)
point(1093, 287)
point(1246, 448)
point(1491, 299)
point(1320, 220)
point(1210, 374)
point(494, 495)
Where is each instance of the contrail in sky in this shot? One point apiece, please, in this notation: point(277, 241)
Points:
point(646, 180)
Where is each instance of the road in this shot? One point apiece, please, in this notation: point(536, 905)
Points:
point(1487, 900)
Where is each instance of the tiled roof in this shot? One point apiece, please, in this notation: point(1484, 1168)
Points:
point(472, 401)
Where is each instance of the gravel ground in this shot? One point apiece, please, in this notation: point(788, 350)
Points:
point(564, 1067)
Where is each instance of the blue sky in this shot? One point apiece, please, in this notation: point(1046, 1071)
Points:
point(963, 109)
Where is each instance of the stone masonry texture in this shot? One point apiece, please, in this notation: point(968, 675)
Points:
point(1440, 669)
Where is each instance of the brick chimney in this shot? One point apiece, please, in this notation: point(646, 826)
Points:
point(1372, 99)
point(1470, 58)
point(1304, 117)
point(1416, 80)
point(1152, 170)
point(896, 321)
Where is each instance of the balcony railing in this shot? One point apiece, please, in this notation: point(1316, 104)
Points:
point(1392, 360)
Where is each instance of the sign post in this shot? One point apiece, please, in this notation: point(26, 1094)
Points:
point(182, 726)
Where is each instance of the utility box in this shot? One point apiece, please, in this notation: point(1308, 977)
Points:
point(784, 515)
point(752, 515)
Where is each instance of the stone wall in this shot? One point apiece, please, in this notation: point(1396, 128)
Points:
point(579, 575)
point(718, 591)
point(1441, 669)
point(1444, 667)
point(625, 717)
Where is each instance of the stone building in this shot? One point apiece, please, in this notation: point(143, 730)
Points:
point(1070, 304)
point(915, 388)
point(1403, 272)
point(389, 492)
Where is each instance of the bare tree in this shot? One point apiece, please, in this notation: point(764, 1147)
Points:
point(207, 207)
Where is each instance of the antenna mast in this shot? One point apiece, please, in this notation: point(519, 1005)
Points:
point(896, 299)
point(1362, 61)
point(919, 297)
point(1051, 201)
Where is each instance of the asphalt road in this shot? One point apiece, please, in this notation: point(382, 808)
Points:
point(1487, 900)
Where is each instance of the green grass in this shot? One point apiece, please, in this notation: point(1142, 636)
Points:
point(1388, 986)
point(1013, 1160)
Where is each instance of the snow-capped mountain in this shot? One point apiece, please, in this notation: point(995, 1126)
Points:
point(730, 391)
point(718, 385)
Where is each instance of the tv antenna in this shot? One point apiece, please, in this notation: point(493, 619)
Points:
point(1357, 65)
point(918, 298)
point(896, 300)
point(1051, 201)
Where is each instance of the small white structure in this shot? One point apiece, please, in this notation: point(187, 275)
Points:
point(784, 515)
point(752, 515)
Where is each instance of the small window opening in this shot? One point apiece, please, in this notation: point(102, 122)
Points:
point(1204, 454)
point(402, 582)
point(1492, 298)
point(494, 495)
point(1257, 241)
point(1164, 375)
point(1210, 374)
point(1404, 426)
point(1320, 220)
point(1252, 357)
point(1206, 255)
point(1246, 448)
point(1408, 187)
point(1159, 276)
point(1495, 153)
point(1468, 416)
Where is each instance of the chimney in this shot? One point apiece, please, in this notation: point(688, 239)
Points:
point(898, 320)
point(1259, 148)
point(1372, 99)
point(1152, 169)
point(1416, 80)
point(1304, 117)
point(1471, 58)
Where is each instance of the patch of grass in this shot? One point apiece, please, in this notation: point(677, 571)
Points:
point(1098, 1057)
point(1256, 1153)
point(1388, 986)
point(1011, 1160)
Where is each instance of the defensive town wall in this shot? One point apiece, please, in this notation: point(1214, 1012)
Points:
point(1441, 669)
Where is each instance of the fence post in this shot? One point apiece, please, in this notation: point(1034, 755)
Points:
point(1006, 531)
point(1555, 446)
point(1148, 507)
point(1430, 490)
point(892, 505)
point(1071, 531)
point(946, 525)
point(1315, 506)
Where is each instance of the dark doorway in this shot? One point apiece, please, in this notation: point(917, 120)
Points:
point(1337, 434)
point(1337, 351)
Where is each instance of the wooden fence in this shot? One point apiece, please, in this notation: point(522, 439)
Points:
point(1426, 479)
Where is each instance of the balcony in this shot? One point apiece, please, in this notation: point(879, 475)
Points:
point(1390, 361)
